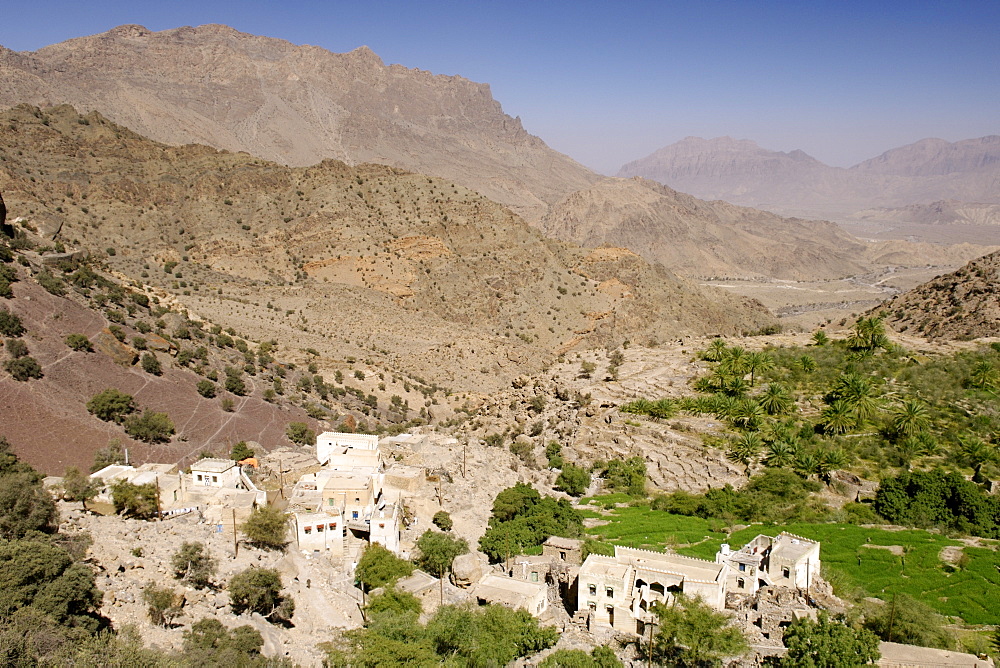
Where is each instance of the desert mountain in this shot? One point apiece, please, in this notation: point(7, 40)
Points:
point(942, 212)
point(295, 105)
point(411, 272)
point(741, 172)
point(704, 239)
point(964, 304)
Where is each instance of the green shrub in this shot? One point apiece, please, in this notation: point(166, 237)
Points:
point(206, 388)
point(259, 590)
point(150, 427)
point(79, 343)
point(10, 323)
point(23, 368)
point(111, 405)
point(150, 364)
point(52, 284)
point(299, 432)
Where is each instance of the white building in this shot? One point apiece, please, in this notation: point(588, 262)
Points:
point(348, 452)
point(211, 472)
point(786, 560)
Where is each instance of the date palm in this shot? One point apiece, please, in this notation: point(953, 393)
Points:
point(910, 417)
point(756, 362)
point(984, 376)
point(975, 453)
point(746, 450)
point(716, 350)
point(838, 417)
point(780, 454)
point(859, 393)
point(775, 399)
point(748, 414)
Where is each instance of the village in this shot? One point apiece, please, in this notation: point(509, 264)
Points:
point(354, 490)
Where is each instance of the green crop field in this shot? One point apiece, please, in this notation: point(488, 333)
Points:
point(972, 593)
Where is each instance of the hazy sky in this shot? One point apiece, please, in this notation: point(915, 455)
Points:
point(608, 82)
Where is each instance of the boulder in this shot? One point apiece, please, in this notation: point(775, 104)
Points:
point(466, 570)
point(106, 343)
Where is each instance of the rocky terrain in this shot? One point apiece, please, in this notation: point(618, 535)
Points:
point(959, 305)
point(403, 270)
point(296, 105)
point(741, 172)
point(941, 212)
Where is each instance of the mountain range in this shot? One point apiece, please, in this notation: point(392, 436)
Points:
point(794, 183)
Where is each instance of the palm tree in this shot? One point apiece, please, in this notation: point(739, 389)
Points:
point(829, 461)
point(820, 337)
point(984, 376)
point(975, 453)
point(748, 414)
point(735, 386)
point(868, 335)
point(806, 363)
point(735, 361)
point(746, 450)
point(780, 454)
point(757, 361)
point(860, 395)
point(775, 399)
point(724, 406)
point(716, 350)
point(661, 409)
point(910, 417)
point(806, 464)
point(838, 417)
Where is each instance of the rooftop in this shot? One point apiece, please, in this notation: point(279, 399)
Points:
point(561, 543)
point(688, 567)
point(213, 465)
point(507, 591)
point(601, 565)
point(791, 547)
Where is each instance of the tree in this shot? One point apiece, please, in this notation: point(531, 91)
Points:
point(716, 350)
point(442, 520)
point(910, 417)
point(393, 602)
point(627, 475)
point(79, 487)
point(820, 338)
point(266, 527)
point(259, 590)
point(828, 644)
point(746, 450)
point(209, 643)
point(984, 376)
point(162, 604)
point(10, 324)
point(693, 634)
point(234, 381)
point(299, 432)
point(193, 564)
point(838, 417)
point(574, 480)
point(868, 336)
point(599, 657)
point(131, 500)
point(79, 343)
point(775, 399)
point(206, 388)
point(23, 368)
point(758, 361)
point(241, 451)
point(111, 405)
point(379, 567)
point(150, 427)
point(438, 551)
point(112, 453)
point(907, 620)
point(975, 453)
point(780, 454)
point(151, 365)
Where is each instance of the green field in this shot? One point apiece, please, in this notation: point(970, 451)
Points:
point(972, 593)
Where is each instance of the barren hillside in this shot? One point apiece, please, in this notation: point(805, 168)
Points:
point(296, 105)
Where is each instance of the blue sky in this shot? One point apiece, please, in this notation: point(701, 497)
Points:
point(608, 82)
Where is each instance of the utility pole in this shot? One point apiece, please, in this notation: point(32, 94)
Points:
point(649, 655)
point(465, 459)
point(159, 513)
point(236, 542)
point(281, 479)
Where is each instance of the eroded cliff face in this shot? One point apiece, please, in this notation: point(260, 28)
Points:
point(296, 105)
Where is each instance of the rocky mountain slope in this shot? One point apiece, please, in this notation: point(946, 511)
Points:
point(412, 272)
point(964, 304)
point(704, 239)
point(741, 172)
point(296, 105)
point(941, 212)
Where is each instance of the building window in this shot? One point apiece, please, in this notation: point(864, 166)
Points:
point(562, 555)
point(593, 590)
point(354, 514)
point(534, 576)
point(319, 528)
point(784, 571)
point(743, 567)
point(333, 525)
point(591, 605)
point(381, 525)
point(308, 530)
point(215, 478)
point(329, 501)
point(740, 583)
point(609, 591)
point(199, 477)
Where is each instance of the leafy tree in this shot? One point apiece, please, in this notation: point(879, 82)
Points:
point(627, 475)
point(25, 506)
point(112, 453)
point(693, 634)
point(599, 657)
point(574, 480)
point(522, 518)
point(79, 487)
point(379, 567)
point(37, 574)
point(828, 644)
point(259, 590)
point(299, 432)
point(193, 564)
point(234, 381)
point(111, 405)
point(23, 368)
point(438, 551)
point(10, 323)
point(393, 602)
point(150, 427)
point(162, 604)
point(266, 527)
point(151, 365)
point(79, 343)
point(206, 388)
point(553, 452)
point(907, 620)
point(241, 451)
point(938, 498)
point(442, 520)
point(131, 500)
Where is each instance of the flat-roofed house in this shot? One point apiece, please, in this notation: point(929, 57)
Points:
point(786, 560)
point(514, 594)
point(357, 453)
point(214, 472)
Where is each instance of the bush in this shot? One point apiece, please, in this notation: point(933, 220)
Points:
point(52, 284)
point(206, 388)
point(442, 520)
point(10, 324)
point(259, 590)
point(234, 381)
point(266, 527)
point(151, 365)
point(150, 427)
point(23, 368)
point(299, 432)
point(379, 567)
point(241, 451)
point(573, 480)
point(79, 343)
point(111, 405)
point(131, 500)
point(193, 564)
point(17, 348)
point(162, 605)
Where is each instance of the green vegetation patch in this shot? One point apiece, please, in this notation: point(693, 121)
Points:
point(638, 526)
